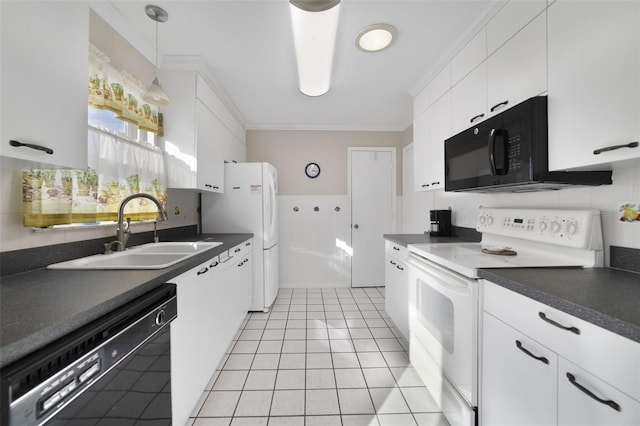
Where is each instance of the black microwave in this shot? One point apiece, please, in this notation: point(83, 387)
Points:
point(508, 153)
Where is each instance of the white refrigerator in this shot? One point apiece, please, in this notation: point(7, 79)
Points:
point(249, 205)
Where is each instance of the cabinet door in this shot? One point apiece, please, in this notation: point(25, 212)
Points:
point(439, 130)
point(585, 400)
point(421, 161)
point(594, 82)
point(44, 71)
point(518, 70)
point(518, 378)
point(187, 349)
point(235, 149)
point(469, 100)
point(209, 140)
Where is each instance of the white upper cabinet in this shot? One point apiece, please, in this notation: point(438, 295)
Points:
point(44, 72)
point(210, 134)
point(235, 148)
point(511, 19)
point(421, 152)
point(594, 83)
point(430, 129)
point(432, 122)
point(469, 100)
point(472, 55)
point(439, 130)
point(193, 133)
point(518, 70)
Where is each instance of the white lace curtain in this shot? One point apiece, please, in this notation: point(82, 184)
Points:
point(117, 168)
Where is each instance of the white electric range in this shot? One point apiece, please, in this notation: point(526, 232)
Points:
point(444, 291)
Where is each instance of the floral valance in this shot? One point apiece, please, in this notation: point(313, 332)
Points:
point(118, 168)
point(120, 92)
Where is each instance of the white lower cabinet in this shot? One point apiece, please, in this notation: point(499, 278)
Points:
point(396, 275)
point(584, 400)
point(213, 299)
point(541, 366)
point(518, 385)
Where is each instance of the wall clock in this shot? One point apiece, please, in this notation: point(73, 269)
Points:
point(312, 170)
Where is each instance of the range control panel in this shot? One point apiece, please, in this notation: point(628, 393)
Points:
point(571, 228)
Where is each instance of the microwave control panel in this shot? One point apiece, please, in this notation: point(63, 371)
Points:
point(571, 228)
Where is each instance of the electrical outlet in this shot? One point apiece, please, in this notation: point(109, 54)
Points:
point(465, 220)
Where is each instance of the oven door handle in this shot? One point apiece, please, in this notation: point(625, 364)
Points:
point(446, 279)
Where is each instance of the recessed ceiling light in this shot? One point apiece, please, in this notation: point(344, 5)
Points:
point(375, 37)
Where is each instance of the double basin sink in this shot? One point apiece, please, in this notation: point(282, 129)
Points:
point(146, 256)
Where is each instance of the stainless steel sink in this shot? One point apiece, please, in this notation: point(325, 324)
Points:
point(147, 256)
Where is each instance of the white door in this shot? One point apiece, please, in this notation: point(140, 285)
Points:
point(372, 192)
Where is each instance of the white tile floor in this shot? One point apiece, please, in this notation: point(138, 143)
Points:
point(319, 357)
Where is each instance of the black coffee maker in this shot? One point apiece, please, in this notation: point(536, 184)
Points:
point(440, 223)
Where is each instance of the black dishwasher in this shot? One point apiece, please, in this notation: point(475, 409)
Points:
point(114, 371)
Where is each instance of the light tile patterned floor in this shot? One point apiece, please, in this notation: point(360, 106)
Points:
point(319, 357)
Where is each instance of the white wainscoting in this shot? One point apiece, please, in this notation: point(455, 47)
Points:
point(314, 245)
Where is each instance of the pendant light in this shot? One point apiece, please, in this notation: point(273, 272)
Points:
point(154, 94)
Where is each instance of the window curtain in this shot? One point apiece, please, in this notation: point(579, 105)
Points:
point(117, 168)
point(120, 92)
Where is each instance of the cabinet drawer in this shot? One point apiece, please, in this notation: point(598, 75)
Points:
point(396, 250)
point(606, 355)
point(241, 249)
point(583, 399)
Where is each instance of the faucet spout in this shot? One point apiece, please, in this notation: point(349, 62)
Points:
point(122, 231)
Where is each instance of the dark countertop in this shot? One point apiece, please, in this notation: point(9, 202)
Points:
point(608, 298)
point(406, 239)
point(38, 307)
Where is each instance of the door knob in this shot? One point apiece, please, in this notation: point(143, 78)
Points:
point(356, 226)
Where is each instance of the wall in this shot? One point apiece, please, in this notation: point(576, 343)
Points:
point(606, 198)
point(291, 150)
point(314, 244)
point(13, 236)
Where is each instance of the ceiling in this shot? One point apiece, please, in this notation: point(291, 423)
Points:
point(247, 47)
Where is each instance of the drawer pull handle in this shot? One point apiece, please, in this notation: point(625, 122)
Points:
point(614, 147)
point(237, 250)
point(426, 185)
point(32, 146)
point(575, 330)
point(496, 106)
point(523, 349)
point(396, 248)
point(203, 271)
point(399, 267)
point(214, 264)
point(476, 117)
point(608, 402)
point(435, 183)
point(392, 262)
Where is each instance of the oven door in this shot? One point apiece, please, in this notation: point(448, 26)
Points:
point(444, 322)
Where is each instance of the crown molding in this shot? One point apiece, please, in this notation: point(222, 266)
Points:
point(331, 127)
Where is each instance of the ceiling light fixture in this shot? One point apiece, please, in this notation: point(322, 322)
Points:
point(315, 24)
point(154, 94)
point(376, 37)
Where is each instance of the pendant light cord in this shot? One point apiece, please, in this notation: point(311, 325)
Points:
point(156, 47)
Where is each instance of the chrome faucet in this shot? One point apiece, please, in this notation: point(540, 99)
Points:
point(124, 231)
